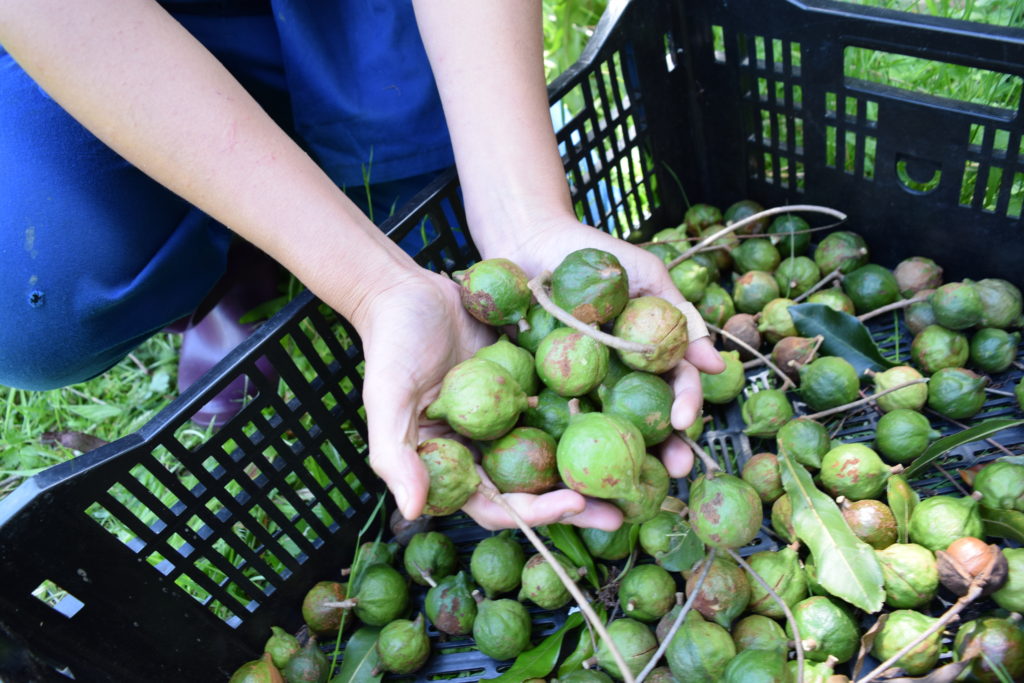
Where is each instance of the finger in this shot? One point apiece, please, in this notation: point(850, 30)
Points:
point(392, 435)
point(597, 515)
point(688, 395)
point(676, 456)
point(564, 506)
point(703, 355)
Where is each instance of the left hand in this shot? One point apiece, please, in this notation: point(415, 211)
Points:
point(544, 249)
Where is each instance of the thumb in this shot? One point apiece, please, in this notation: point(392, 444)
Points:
point(393, 434)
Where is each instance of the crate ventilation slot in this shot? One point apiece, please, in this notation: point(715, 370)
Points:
point(770, 79)
point(231, 524)
point(993, 173)
point(602, 136)
point(851, 143)
point(58, 599)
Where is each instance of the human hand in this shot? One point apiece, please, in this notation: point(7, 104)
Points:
point(413, 332)
point(545, 247)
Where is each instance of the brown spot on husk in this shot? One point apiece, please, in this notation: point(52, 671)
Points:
point(709, 510)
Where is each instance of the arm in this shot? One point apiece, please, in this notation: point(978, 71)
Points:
point(133, 76)
point(487, 59)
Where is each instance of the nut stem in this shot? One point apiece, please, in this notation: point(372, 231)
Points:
point(660, 652)
point(493, 495)
point(537, 285)
point(711, 467)
point(952, 613)
point(797, 643)
point(834, 275)
point(753, 219)
point(869, 399)
point(787, 383)
point(891, 307)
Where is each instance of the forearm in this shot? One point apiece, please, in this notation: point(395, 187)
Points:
point(134, 77)
point(487, 58)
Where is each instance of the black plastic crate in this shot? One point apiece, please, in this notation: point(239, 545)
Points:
point(181, 583)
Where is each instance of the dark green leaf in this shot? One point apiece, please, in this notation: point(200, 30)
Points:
point(539, 661)
point(846, 566)
point(568, 541)
point(902, 499)
point(982, 430)
point(360, 658)
point(584, 646)
point(844, 335)
point(1003, 523)
point(685, 549)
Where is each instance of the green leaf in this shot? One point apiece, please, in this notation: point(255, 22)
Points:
point(539, 661)
point(982, 430)
point(360, 658)
point(902, 500)
point(1003, 523)
point(846, 566)
point(96, 412)
point(568, 541)
point(844, 335)
point(584, 646)
point(685, 549)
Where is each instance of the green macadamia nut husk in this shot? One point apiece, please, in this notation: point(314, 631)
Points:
point(522, 461)
point(518, 361)
point(912, 397)
point(591, 285)
point(647, 592)
point(725, 511)
point(780, 569)
point(654, 321)
point(601, 456)
point(725, 593)
point(911, 575)
point(570, 362)
point(479, 399)
point(453, 475)
point(403, 646)
point(494, 291)
point(900, 629)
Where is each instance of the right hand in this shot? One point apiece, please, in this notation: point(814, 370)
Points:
point(413, 332)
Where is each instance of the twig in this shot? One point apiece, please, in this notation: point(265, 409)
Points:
point(494, 496)
point(752, 219)
point(963, 492)
point(961, 425)
point(973, 592)
point(711, 467)
point(834, 275)
point(660, 652)
point(786, 381)
point(997, 392)
point(797, 644)
point(536, 286)
point(891, 307)
point(806, 231)
point(869, 399)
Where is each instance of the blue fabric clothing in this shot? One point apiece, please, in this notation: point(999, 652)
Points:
point(95, 257)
